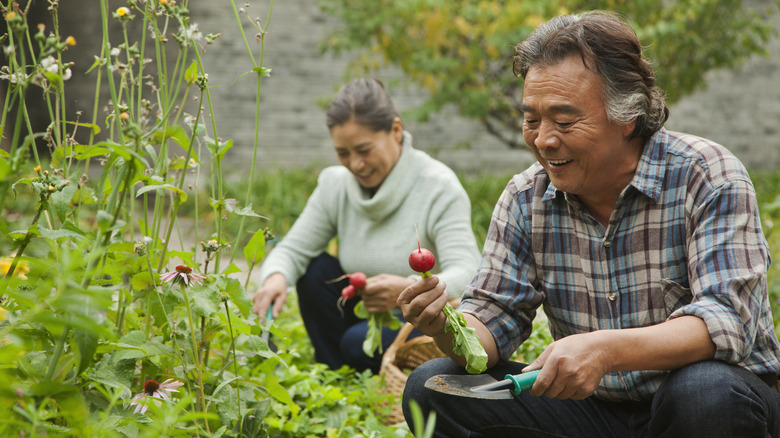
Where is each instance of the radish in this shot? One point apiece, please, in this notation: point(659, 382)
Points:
point(375, 321)
point(422, 260)
point(348, 292)
point(357, 280)
point(465, 341)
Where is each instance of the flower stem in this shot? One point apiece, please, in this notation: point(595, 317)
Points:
point(26, 239)
point(196, 356)
point(235, 366)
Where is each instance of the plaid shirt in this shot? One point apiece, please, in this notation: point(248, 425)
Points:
point(685, 238)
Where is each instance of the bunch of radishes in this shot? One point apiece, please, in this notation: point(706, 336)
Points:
point(373, 341)
point(357, 282)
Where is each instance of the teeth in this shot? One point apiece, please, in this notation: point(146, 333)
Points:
point(557, 161)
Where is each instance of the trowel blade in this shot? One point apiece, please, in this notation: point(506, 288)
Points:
point(480, 386)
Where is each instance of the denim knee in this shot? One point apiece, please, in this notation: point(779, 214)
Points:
point(712, 399)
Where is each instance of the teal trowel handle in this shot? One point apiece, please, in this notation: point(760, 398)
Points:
point(523, 381)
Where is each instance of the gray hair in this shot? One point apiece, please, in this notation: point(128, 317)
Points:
point(608, 41)
point(366, 101)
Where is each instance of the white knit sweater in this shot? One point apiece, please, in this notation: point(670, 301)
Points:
point(376, 234)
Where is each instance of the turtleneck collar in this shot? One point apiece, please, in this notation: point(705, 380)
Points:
point(393, 189)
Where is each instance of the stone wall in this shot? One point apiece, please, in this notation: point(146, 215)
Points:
point(739, 108)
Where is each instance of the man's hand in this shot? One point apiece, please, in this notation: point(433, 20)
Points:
point(382, 291)
point(572, 367)
point(422, 304)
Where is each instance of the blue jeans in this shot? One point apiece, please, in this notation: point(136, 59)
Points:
point(706, 399)
point(337, 336)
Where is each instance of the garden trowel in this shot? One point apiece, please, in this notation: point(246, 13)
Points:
point(482, 385)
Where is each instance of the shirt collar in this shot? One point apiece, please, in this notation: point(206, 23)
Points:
point(650, 172)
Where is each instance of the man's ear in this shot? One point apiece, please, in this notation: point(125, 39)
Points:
point(629, 128)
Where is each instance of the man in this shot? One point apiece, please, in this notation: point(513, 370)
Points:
point(644, 248)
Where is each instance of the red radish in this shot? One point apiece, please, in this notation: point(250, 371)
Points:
point(421, 260)
point(348, 292)
point(358, 280)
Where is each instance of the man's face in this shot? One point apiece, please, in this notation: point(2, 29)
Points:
point(565, 124)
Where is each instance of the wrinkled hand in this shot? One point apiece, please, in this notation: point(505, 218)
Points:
point(572, 367)
point(422, 304)
point(382, 291)
point(273, 291)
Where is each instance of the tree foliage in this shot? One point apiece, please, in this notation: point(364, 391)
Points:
point(461, 51)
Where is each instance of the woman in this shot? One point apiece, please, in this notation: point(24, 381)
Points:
point(371, 203)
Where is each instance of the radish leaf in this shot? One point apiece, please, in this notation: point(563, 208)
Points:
point(465, 341)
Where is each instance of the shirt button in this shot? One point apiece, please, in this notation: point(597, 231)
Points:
point(607, 243)
point(612, 296)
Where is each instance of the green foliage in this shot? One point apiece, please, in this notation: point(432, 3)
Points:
point(100, 314)
point(373, 341)
point(461, 51)
point(465, 341)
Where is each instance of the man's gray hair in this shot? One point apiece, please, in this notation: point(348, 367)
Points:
point(607, 42)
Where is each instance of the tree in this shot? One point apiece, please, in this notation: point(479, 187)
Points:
point(461, 51)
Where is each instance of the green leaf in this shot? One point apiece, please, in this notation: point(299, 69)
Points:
point(205, 300)
point(276, 390)
point(67, 230)
point(218, 149)
point(247, 211)
point(182, 195)
point(87, 344)
point(94, 128)
point(54, 79)
point(236, 293)
point(5, 167)
point(178, 134)
point(376, 321)
point(191, 73)
point(231, 269)
point(254, 251)
point(142, 281)
point(61, 200)
point(465, 341)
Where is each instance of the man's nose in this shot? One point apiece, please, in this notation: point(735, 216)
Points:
point(547, 135)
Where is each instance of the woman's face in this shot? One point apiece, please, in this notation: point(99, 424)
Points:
point(369, 155)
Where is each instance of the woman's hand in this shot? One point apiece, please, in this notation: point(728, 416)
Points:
point(422, 304)
point(273, 291)
point(382, 291)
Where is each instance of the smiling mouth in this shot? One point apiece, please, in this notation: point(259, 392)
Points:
point(558, 162)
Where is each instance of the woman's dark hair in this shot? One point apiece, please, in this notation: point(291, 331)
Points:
point(608, 41)
point(365, 101)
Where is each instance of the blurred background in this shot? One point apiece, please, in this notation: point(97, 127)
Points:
point(447, 65)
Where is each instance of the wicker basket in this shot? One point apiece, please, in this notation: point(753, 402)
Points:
point(402, 355)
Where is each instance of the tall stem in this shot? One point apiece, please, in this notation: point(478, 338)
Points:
point(195, 354)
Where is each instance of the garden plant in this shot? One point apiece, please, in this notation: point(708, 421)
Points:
point(127, 256)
